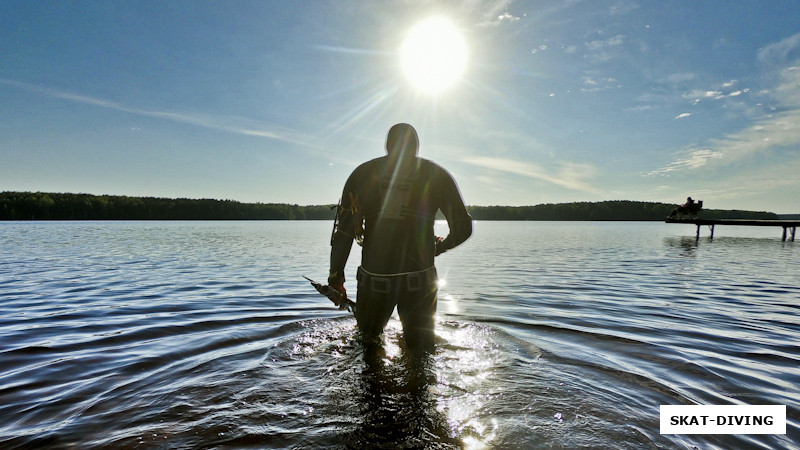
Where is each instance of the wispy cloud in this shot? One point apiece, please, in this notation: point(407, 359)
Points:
point(720, 92)
point(768, 133)
point(788, 91)
point(683, 115)
point(237, 125)
point(571, 175)
point(623, 7)
point(778, 130)
point(678, 78)
point(496, 14)
point(507, 17)
point(695, 159)
point(600, 44)
point(593, 83)
point(782, 53)
point(602, 50)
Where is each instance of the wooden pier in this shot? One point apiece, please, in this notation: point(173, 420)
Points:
point(789, 226)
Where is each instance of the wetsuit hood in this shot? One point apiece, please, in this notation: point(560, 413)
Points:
point(402, 142)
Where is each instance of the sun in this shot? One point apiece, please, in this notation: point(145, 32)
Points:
point(433, 55)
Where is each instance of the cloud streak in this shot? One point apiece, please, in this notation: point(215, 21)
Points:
point(780, 53)
point(236, 125)
point(694, 160)
point(775, 131)
point(570, 176)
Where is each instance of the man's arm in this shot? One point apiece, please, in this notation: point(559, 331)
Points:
point(342, 241)
point(340, 249)
point(458, 220)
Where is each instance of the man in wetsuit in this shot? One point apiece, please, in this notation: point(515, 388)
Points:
point(389, 205)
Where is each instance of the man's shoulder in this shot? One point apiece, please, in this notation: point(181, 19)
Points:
point(429, 165)
point(434, 169)
point(373, 163)
point(367, 167)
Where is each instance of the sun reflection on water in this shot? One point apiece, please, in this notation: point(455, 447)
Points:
point(391, 347)
point(447, 301)
point(466, 364)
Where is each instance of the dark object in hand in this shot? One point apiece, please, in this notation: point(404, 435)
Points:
point(335, 296)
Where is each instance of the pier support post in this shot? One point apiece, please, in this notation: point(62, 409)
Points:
point(784, 233)
point(697, 237)
point(712, 231)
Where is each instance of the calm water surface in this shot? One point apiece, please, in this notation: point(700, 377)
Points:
point(551, 335)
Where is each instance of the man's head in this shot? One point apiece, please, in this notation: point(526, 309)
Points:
point(402, 141)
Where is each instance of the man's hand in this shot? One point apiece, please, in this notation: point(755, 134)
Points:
point(336, 281)
point(340, 289)
point(437, 243)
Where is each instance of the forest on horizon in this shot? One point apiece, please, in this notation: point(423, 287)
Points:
point(65, 206)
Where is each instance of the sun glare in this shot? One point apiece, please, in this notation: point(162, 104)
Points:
point(433, 55)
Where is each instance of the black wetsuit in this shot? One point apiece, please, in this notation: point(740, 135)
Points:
point(397, 205)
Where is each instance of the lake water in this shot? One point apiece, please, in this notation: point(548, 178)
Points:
point(551, 335)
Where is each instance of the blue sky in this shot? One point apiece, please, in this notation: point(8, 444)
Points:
point(271, 101)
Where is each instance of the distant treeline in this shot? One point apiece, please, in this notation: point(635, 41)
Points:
point(53, 206)
point(607, 210)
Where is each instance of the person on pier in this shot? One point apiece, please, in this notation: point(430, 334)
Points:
point(690, 207)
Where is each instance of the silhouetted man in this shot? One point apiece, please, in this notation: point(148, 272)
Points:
point(389, 205)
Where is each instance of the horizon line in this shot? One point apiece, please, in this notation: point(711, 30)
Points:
point(334, 204)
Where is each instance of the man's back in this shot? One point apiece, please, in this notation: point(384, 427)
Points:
point(399, 201)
